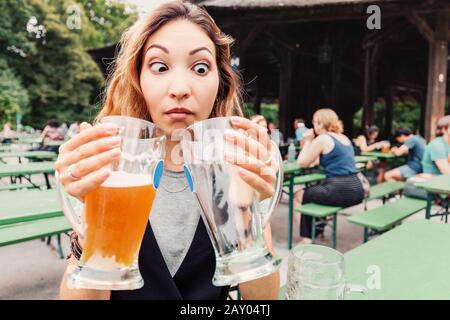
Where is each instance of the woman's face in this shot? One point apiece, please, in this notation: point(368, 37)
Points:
point(179, 75)
point(373, 135)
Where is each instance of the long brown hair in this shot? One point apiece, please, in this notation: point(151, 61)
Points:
point(124, 94)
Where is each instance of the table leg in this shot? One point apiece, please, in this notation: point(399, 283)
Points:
point(313, 231)
point(334, 230)
point(429, 203)
point(291, 210)
point(47, 181)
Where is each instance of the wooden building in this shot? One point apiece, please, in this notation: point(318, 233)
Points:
point(329, 53)
point(341, 54)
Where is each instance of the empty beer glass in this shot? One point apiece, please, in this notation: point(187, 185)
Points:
point(231, 209)
point(317, 273)
point(115, 214)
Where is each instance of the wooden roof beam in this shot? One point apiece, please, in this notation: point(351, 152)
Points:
point(422, 26)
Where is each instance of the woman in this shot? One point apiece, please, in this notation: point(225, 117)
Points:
point(335, 153)
point(368, 141)
point(173, 69)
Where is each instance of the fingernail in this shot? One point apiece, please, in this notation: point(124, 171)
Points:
point(115, 153)
point(113, 140)
point(104, 172)
point(110, 127)
point(235, 119)
point(230, 135)
point(243, 172)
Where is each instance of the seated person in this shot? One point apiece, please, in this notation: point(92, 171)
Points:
point(414, 147)
point(437, 153)
point(367, 142)
point(51, 132)
point(7, 133)
point(334, 150)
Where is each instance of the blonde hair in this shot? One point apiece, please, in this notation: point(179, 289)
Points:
point(329, 120)
point(124, 94)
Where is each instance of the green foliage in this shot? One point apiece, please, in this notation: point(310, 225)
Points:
point(13, 97)
point(268, 110)
point(101, 22)
point(46, 70)
point(404, 114)
point(379, 113)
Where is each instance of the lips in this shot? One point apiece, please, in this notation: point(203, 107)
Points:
point(179, 110)
point(178, 114)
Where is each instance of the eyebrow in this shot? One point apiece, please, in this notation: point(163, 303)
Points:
point(157, 46)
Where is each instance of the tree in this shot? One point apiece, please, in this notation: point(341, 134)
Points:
point(49, 60)
point(13, 97)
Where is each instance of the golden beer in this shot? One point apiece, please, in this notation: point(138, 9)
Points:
point(116, 217)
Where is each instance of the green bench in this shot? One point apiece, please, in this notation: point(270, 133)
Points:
point(306, 179)
point(320, 211)
point(381, 219)
point(290, 183)
point(17, 186)
point(35, 229)
point(384, 191)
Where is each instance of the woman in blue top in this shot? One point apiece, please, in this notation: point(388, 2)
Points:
point(336, 155)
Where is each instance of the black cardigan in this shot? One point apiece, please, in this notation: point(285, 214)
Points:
point(192, 281)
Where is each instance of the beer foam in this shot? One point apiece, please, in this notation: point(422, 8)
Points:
point(121, 179)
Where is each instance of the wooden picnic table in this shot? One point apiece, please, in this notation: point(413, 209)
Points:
point(29, 154)
point(28, 169)
point(412, 262)
point(439, 185)
point(31, 214)
point(380, 155)
point(21, 206)
point(293, 174)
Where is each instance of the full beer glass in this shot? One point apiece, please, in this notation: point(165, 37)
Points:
point(114, 216)
point(231, 209)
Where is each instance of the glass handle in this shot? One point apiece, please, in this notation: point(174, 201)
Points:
point(267, 206)
point(72, 211)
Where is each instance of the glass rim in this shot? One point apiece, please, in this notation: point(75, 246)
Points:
point(214, 119)
point(143, 121)
point(318, 262)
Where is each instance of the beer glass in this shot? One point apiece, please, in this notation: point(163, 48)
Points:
point(317, 273)
point(115, 214)
point(231, 209)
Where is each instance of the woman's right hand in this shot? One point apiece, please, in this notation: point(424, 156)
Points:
point(88, 155)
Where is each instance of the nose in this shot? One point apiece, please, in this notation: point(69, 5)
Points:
point(179, 87)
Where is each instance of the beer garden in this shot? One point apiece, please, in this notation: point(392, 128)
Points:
point(307, 55)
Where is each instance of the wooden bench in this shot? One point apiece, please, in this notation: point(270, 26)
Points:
point(17, 186)
point(385, 190)
point(306, 179)
point(290, 183)
point(383, 218)
point(34, 229)
point(321, 211)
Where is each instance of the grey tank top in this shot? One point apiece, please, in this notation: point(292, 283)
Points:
point(174, 218)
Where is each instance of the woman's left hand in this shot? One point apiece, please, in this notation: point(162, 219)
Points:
point(258, 167)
